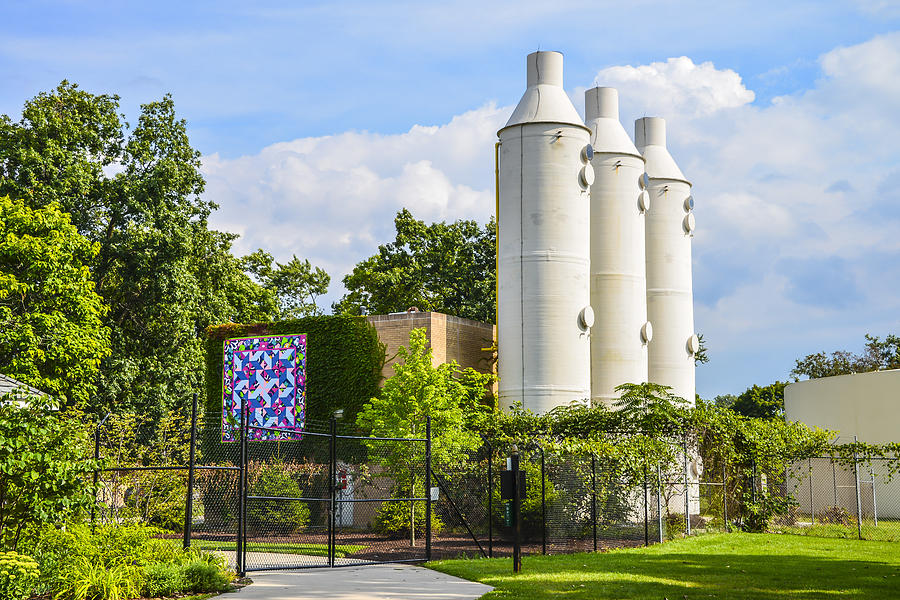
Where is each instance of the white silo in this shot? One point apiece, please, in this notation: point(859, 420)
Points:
point(618, 270)
point(544, 245)
point(670, 227)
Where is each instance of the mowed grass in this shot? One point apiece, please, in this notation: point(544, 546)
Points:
point(733, 566)
point(340, 550)
point(886, 531)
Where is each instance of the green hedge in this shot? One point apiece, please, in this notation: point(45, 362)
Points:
point(343, 365)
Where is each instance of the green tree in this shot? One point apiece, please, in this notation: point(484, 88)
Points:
point(51, 319)
point(416, 391)
point(443, 267)
point(651, 408)
point(135, 193)
point(756, 401)
point(878, 355)
point(44, 475)
point(296, 285)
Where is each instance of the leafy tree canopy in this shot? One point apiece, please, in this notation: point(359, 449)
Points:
point(135, 192)
point(442, 267)
point(44, 473)
point(759, 401)
point(296, 284)
point(878, 355)
point(51, 319)
point(417, 390)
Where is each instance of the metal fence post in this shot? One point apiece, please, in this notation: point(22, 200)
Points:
point(687, 491)
point(96, 469)
point(490, 499)
point(812, 506)
point(242, 494)
point(659, 517)
point(725, 496)
point(858, 502)
point(646, 508)
point(874, 502)
point(517, 512)
point(594, 497)
point(332, 474)
point(189, 498)
point(834, 480)
point(427, 488)
point(543, 505)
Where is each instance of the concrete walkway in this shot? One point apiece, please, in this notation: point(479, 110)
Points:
point(371, 582)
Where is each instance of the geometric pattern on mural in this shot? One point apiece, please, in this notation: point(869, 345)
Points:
point(269, 375)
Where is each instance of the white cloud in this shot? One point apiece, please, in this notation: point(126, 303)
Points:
point(332, 199)
point(678, 86)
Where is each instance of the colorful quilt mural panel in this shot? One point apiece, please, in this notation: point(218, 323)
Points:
point(269, 375)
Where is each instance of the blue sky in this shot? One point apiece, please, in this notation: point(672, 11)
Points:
point(783, 114)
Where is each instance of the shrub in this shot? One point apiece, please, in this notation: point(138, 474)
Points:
point(274, 479)
point(837, 515)
point(393, 519)
point(203, 576)
point(759, 514)
point(163, 579)
point(90, 580)
point(43, 473)
point(675, 526)
point(18, 576)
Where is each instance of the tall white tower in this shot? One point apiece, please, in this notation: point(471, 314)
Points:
point(670, 227)
point(544, 245)
point(618, 270)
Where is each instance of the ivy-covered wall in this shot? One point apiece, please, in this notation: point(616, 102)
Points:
point(343, 369)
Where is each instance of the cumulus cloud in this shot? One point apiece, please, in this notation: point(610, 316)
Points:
point(332, 199)
point(678, 86)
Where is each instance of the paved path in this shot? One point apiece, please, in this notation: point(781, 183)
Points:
point(371, 582)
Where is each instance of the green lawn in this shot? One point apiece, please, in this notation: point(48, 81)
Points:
point(732, 566)
point(340, 550)
point(887, 530)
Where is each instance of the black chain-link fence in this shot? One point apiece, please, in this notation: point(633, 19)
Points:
point(328, 497)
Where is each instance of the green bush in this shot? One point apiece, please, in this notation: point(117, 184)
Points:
point(85, 579)
point(163, 579)
point(274, 479)
point(121, 562)
point(393, 519)
point(675, 525)
point(203, 576)
point(759, 513)
point(19, 576)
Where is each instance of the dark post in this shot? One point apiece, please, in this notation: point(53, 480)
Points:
point(242, 493)
point(517, 505)
point(646, 509)
point(427, 488)
point(96, 470)
point(332, 487)
point(659, 514)
point(189, 499)
point(594, 498)
point(543, 506)
point(490, 499)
